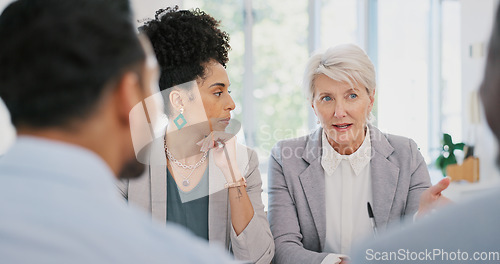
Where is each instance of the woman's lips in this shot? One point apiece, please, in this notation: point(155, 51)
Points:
point(225, 121)
point(342, 127)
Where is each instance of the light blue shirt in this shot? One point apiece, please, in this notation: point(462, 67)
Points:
point(59, 204)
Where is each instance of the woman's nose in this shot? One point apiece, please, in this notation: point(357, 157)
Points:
point(340, 110)
point(230, 103)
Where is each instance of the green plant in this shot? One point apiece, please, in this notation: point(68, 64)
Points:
point(447, 156)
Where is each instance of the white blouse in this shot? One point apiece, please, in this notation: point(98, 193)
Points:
point(347, 190)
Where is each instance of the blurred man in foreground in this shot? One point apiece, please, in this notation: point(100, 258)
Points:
point(71, 71)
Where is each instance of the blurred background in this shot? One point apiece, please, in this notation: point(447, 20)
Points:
point(429, 57)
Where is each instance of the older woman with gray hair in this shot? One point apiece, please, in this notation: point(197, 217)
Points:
point(320, 185)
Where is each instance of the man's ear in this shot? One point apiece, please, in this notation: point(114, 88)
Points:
point(128, 93)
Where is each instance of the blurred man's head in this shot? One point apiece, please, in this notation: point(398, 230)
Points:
point(490, 88)
point(72, 70)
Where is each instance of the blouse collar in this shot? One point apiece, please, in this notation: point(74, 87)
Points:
point(331, 159)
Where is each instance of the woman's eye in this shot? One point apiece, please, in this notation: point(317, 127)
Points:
point(217, 94)
point(326, 98)
point(353, 96)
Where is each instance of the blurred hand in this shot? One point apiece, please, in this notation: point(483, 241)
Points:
point(345, 260)
point(432, 197)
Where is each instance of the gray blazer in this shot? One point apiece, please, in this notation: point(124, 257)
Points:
point(297, 213)
point(254, 244)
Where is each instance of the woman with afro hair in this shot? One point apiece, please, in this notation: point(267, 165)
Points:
point(198, 175)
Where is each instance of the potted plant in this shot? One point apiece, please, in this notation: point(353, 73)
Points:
point(447, 156)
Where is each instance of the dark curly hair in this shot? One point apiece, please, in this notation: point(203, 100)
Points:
point(184, 41)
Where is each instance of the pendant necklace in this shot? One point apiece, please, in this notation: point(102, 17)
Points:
point(171, 157)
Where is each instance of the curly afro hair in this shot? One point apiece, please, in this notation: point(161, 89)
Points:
point(184, 41)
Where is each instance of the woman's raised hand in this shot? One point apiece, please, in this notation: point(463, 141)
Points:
point(223, 146)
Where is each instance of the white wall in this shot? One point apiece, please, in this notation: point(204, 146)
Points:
point(476, 24)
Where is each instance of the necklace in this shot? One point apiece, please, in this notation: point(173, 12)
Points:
point(171, 157)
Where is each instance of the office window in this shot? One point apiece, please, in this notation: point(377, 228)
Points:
point(280, 51)
point(403, 69)
point(451, 73)
point(419, 85)
point(339, 22)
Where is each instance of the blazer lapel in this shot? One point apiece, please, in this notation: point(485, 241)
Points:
point(385, 176)
point(313, 184)
point(150, 190)
point(218, 217)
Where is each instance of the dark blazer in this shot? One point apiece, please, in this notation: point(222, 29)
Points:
point(297, 213)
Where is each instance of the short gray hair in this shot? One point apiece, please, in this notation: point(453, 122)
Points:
point(344, 63)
